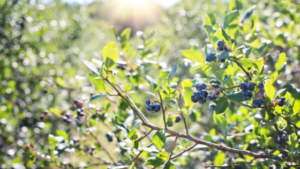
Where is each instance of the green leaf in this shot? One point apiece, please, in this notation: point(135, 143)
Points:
point(194, 56)
point(224, 55)
point(115, 31)
point(110, 55)
point(230, 17)
point(209, 23)
point(132, 134)
point(246, 63)
point(159, 139)
point(152, 82)
point(173, 70)
point(121, 125)
point(97, 96)
point(155, 162)
point(136, 122)
point(220, 121)
point(281, 61)
point(99, 84)
point(259, 63)
point(183, 142)
point(226, 37)
point(248, 14)
point(52, 141)
point(169, 165)
point(63, 134)
point(90, 66)
point(222, 105)
point(127, 88)
point(236, 96)
point(270, 91)
point(125, 35)
point(279, 92)
point(163, 50)
point(220, 158)
point(235, 4)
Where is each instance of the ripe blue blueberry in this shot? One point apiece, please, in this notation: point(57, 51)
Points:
point(256, 103)
point(220, 43)
point(209, 98)
point(212, 106)
point(109, 138)
point(197, 96)
point(232, 41)
point(209, 58)
point(260, 85)
point(215, 83)
point(243, 86)
point(222, 60)
point(280, 103)
point(199, 87)
point(149, 107)
point(203, 93)
point(220, 49)
point(156, 107)
point(251, 86)
point(203, 86)
point(282, 99)
point(177, 119)
point(247, 95)
point(148, 102)
point(193, 99)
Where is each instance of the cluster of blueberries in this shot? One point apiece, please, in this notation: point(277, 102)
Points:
point(201, 96)
point(155, 107)
point(246, 89)
point(221, 47)
point(109, 137)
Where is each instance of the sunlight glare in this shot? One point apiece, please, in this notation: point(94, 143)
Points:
point(134, 2)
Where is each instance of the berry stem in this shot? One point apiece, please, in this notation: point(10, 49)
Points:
point(241, 66)
point(163, 110)
point(179, 103)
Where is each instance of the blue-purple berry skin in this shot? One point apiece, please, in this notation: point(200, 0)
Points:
point(243, 86)
point(202, 100)
point(199, 87)
point(156, 107)
point(149, 107)
point(209, 58)
point(193, 99)
point(212, 107)
point(282, 99)
point(260, 85)
point(222, 60)
point(203, 86)
point(251, 86)
point(209, 98)
point(220, 43)
point(177, 119)
point(197, 95)
point(148, 102)
point(247, 95)
point(220, 49)
point(203, 93)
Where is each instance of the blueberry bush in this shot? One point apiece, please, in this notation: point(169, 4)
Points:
point(227, 104)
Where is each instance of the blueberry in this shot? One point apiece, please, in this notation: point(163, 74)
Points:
point(243, 86)
point(251, 86)
point(202, 100)
point(45, 112)
point(261, 90)
point(199, 87)
point(247, 95)
point(280, 103)
point(220, 43)
point(80, 114)
point(177, 119)
point(149, 107)
point(261, 101)
point(282, 99)
point(193, 99)
point(260, 85)
point(42, 117)
point(212, 81)
point(225, 48)
point(232, 41)
point(209, 98)
point(203, 86)
point(156, 107)
point(148, 102)
point(203, 93)
point(109, 138)
point(255, 103)
point(246, 81)
point(209, 58)
point(217, 92)
point(219, 49)
point(212, 106)
point(197, 96)
point(215, 83)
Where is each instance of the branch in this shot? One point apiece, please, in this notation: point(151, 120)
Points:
point(179, 103)
point(163, 110)
point(226, 88)
point(145, 135)
point(188, 137)
point(184, 151)
point(241, 66)
point(137, 156)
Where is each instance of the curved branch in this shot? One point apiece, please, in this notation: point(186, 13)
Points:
point(191, 138)
point(163, 110)
point(241, 66)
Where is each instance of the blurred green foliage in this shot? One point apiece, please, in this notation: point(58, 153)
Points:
point(41, 47)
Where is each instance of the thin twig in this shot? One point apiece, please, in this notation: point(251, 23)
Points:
point(188, 149)
point(145, 135)
point(163, 110)
point(241, 66)
point(179, 103)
